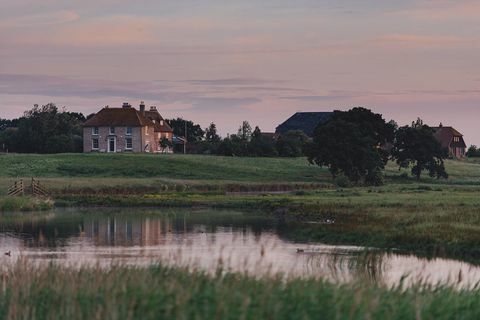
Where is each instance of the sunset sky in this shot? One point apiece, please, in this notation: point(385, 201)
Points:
point(226, 61)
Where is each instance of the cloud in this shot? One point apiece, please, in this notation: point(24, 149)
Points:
point(158, 92)
point(420, 40)
point(230, 81)
point(40, 20)
point(443, 10)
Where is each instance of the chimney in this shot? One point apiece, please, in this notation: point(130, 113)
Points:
point(142, 106)
point(126, 105)
point(153, 108)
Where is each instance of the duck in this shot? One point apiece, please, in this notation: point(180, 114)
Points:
point(8, 253)
point(300, 250)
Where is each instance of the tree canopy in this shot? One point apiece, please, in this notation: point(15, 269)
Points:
point(416, 146)
point(45, 129)
point(354, 143)
point(194, 131)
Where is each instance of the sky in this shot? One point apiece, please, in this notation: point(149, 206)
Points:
point(227, 61)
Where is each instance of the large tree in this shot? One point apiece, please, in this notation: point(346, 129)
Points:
point(354, 143)
point(194, 131)
point(416, 147)
point(211, 134)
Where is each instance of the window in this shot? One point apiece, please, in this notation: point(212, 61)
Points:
point(95, 144)
point(129, 131)
point(146, 131)
point(128, 144)
point(112, 130)
point(95, 131)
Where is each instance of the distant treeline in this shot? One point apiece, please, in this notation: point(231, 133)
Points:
point(354, 144)
point(46, 129)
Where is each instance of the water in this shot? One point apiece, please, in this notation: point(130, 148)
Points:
point(208, 239)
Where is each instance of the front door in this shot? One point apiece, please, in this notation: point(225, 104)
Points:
point(111, 144)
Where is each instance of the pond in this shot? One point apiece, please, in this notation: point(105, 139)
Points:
point(208, 239)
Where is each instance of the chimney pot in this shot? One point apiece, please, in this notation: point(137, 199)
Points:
point(153, 108)
point(126, 105)
point(142, 106)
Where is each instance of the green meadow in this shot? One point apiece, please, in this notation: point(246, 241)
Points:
point(433, 218)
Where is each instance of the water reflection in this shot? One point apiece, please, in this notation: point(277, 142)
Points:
point(209, 239)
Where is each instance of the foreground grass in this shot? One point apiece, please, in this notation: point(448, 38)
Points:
point(161, 292)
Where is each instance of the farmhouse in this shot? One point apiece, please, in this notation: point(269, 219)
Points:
point(126, 129)
point(450, 139)
point(303, 121)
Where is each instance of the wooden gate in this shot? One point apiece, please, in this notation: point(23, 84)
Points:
point(17, 189)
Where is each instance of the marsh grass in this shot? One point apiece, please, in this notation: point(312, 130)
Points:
point(159, 292)
point(8, 204)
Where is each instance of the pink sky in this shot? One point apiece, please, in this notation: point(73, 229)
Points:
point(228, 61)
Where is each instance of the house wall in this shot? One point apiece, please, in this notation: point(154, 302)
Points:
point(138, 138)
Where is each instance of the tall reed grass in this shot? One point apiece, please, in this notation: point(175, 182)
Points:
point(159, 292)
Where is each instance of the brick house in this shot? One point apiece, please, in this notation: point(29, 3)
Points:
point(125, 129)
point(450, 139)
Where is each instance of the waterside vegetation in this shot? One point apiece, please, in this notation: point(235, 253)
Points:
point(55, 292)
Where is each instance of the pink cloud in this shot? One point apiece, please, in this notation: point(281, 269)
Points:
point(445, 10)
point(421, 40)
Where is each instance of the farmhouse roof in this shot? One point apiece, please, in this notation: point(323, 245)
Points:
point(304, 121)
point(160, 124)
point(445, 136)
point(118, 117)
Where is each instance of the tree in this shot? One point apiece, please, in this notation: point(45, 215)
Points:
point(291, 144)
point(245, 131)
point(416, 146)
point(473, 152)
point(211, 134)
point(194, 131)
point(164, 144)
point(354, 143)
point(261, 146)
point(45, 129)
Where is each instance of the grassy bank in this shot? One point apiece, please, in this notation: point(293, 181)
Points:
point(429, 215)
point(161, 292)
point(8, 204)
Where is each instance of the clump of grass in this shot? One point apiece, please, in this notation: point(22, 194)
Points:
point(160, 292)
point(24, 204)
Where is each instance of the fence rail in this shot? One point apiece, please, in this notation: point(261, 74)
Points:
point(16, 189)
point(36, 189)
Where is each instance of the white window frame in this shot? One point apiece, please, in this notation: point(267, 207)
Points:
point(95, 131)
point(128, 131)
point(110, 131)
point(126, 143)
point(146, 130)
point(98, 144)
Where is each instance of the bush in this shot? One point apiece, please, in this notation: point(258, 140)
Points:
point(342, 181)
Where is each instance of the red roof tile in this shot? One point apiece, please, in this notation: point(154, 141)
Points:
point(118, 117)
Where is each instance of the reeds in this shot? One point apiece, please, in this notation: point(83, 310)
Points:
point(158, 292)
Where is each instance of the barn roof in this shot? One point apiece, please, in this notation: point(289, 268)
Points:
point(445, 135)
point(304, 121)
point(118, 117)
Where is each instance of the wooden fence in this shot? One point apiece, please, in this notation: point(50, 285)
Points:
point(36, 189)
point(17, 189)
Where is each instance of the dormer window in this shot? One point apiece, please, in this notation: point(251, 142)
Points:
point(129, 131)
point(95, 131)
point(112, 130)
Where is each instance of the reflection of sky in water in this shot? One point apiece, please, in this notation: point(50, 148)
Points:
point(209, 240)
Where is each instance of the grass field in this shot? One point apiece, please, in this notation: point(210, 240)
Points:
point(427, 217)
point(170, 293)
